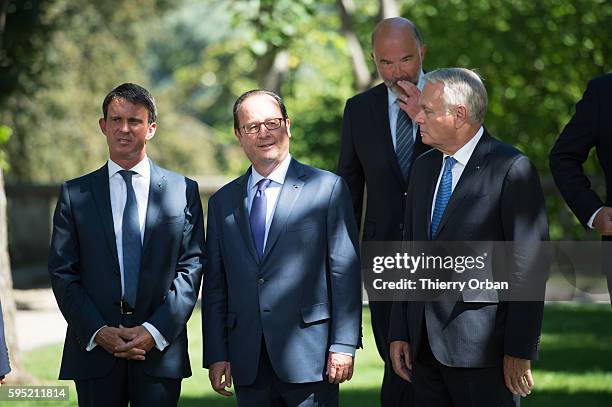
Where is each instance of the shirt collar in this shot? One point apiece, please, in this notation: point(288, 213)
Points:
point(278, 175)
point(143, 168)
point(464, 153)
point(392, 96)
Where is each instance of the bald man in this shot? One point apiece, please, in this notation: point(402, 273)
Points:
point(379, 143)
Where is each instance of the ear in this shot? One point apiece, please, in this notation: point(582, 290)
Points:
point(461, 116)
point(151, 131)
point(102, 124)
point(238, 136)
point(423, 50)
point(288, 125)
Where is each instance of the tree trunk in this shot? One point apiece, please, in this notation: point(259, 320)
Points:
point(389, 8)
point(363, 77)
point(17, 374)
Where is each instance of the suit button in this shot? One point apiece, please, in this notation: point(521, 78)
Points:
point(401, 225)
point(261, 281)
point(405, 193)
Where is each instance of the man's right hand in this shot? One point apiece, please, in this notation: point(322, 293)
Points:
point(111, 340)
point(603, 221)
point(220, 375)
point(399, 352)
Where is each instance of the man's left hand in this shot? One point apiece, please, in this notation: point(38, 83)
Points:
point(137, 338)
point(517, 375)
point(339, 367)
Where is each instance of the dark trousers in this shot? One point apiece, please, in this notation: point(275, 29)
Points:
point(442, 386)
point(127, 382)
point(269, 391)
point(395, 391)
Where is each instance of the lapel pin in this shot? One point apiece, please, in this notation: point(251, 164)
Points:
point(296, 186)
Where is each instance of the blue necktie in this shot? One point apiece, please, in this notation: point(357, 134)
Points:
point(132, 245)
point(445, 189)
point(404, 144)
point(257, 217)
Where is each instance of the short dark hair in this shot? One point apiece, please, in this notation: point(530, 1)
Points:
point(134, 94)
point(252, 92)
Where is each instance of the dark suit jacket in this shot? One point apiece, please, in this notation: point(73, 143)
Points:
point(367, 157)
point(305, 294)
point(590, 127)
point(497, 198)
point(4, 359)
point(86, 279)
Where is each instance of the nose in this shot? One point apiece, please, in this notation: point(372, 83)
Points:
point(124, 127)
point(420, 117)
point(397, 72)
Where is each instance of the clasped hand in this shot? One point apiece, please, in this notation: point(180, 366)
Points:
point(127, 343)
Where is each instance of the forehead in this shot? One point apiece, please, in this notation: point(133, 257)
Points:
point(120, 106)
point(394, 41)
point(259, 107)
point(432, 93)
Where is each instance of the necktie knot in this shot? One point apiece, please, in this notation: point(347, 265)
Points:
point(127, 175)
point(449, 162)
point(263, 184)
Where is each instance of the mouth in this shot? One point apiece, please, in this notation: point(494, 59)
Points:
point(266, 146)
point(124, 141)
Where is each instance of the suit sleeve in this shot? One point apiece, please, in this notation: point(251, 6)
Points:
point(345, 272)
point(4, 359)
point(525, 223)
point(82, 316)
point(172, 314)
point(349, 165)
point(570, 152)
point(214, 296)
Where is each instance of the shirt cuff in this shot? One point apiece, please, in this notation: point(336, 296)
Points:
point(592, 218)
point(92, 343)
point(160, 342)
point(348, 350)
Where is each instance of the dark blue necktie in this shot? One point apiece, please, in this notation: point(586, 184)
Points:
point(404, 144)
point(257, 217)
point(445, 189)
point(132, 245)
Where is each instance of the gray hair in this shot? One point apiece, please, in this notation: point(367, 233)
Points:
point(462, 87)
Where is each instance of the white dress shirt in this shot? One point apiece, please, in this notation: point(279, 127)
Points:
point(462, 156)
point(118, 196)
point(394, 110)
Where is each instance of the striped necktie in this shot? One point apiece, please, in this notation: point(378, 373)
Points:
point(404, 145)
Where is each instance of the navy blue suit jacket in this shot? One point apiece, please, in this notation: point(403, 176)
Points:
point(4, 359)
point(303, 297)
point(86, 280)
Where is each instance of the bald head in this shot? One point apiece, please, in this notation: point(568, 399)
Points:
point(397, 27)
point(398, 52)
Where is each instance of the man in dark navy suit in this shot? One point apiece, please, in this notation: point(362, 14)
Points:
point(589, 128)
point(126, 265)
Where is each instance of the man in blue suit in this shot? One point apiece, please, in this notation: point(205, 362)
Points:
point(282, 292)
point(126, 264)
point(4, 359)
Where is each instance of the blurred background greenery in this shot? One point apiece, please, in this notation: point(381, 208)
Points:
point(58, 58)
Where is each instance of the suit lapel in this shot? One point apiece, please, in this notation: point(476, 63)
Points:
point(101, 194)
point(380, 107)
point(241, 212)
point(157, 187)
point(468, 180)
point(290, 191)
